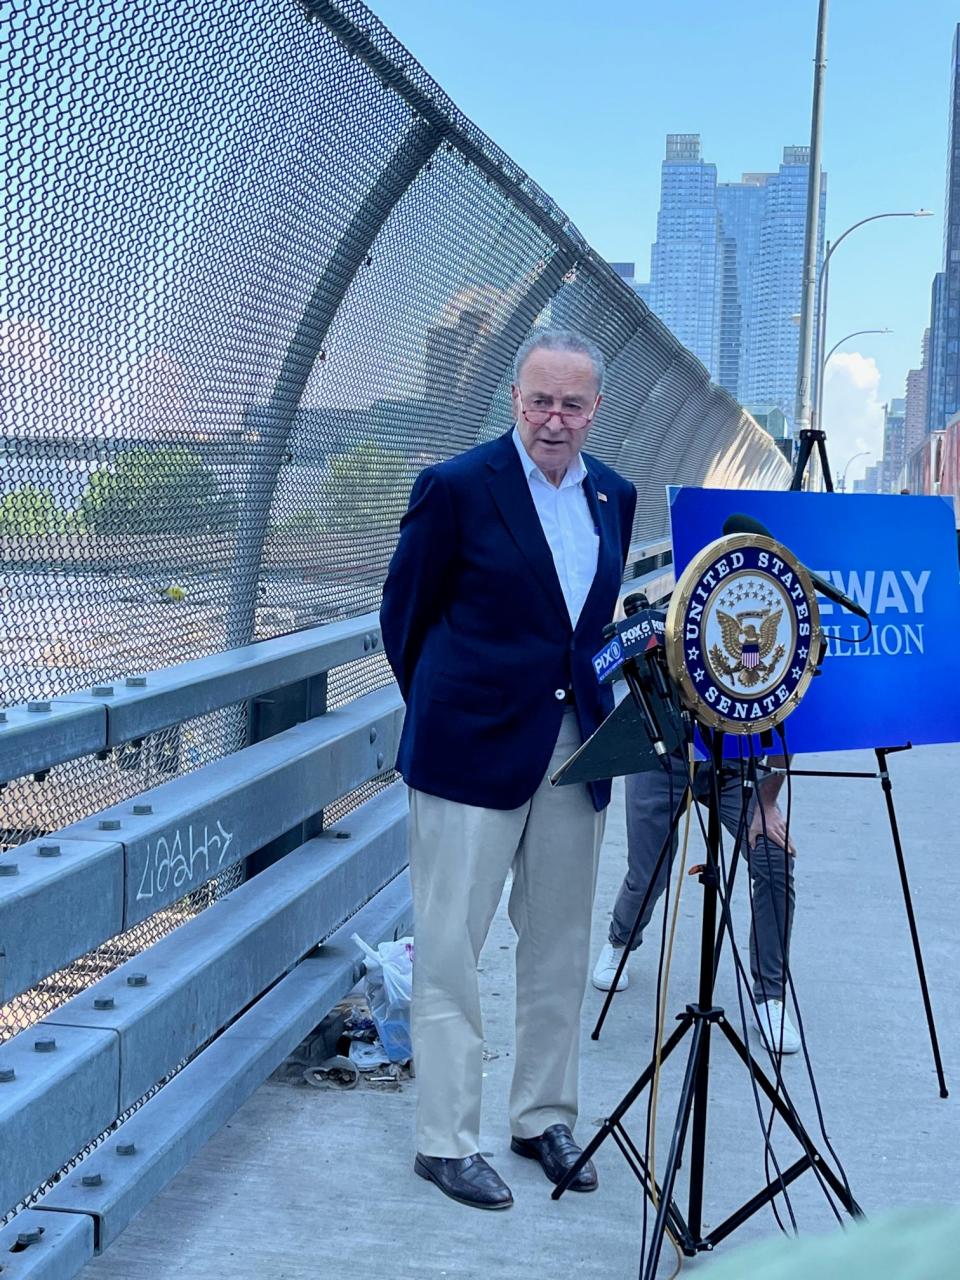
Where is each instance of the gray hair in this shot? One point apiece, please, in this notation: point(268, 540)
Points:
point(561, 340)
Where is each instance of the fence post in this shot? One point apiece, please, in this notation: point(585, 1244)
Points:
point(270, 714)
point(274, 422)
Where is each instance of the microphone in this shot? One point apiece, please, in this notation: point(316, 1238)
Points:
point(639, 637)
point(740, 523)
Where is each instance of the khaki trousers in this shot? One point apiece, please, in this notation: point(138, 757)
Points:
point(460, 856)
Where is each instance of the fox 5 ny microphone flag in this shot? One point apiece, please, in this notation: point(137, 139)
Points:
point(896, 556)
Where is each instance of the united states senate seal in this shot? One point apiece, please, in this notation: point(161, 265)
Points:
point(743, 634)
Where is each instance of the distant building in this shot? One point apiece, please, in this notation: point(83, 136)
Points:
point(685, 258)
point(944, 389)
point(741, 214)
point(726, 271)
point(769, 362)
point(627, 271)
point(894, 452)
point(771, 418)
point(916, 398)
point(872, 480)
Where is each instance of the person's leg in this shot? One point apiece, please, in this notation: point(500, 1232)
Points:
point(772, 886)
point(650, 804)
point(551, 904)
point(459, 859)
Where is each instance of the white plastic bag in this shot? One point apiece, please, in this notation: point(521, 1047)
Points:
point(388, 988)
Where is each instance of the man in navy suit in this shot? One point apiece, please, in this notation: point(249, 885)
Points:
point(508, 566)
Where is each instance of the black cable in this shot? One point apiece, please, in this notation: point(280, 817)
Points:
point(775, 1063)
point(768, 1131)
point(790, 986)
point(754, 783)
point(740, 978)
point(781, 733)
point(654, 1083)
point(727, 923)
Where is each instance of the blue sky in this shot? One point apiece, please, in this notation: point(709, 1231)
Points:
point(584, 107)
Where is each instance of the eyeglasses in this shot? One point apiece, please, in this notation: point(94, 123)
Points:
point(572, 421)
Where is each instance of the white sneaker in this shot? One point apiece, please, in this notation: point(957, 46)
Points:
point(776, 1030)
point(605, 970)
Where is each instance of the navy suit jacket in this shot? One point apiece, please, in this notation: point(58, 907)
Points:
point(477, 631)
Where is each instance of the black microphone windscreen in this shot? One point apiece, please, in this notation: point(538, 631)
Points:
point(739, 523)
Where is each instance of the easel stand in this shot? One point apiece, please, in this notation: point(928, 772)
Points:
point(811, 442)
point(883, 775)
point(701, 1019)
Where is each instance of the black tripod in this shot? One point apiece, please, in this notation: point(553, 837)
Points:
point(812, 442)
point(700, 1019)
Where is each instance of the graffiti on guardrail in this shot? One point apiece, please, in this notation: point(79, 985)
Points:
point(173, 860)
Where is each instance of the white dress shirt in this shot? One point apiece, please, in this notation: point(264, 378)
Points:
point(568, 527)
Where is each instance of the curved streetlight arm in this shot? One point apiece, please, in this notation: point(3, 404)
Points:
point(835, 244)
point(864, 453)
point(856, 334)
point(823, 276)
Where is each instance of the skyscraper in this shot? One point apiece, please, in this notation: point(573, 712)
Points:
point(894, 430)
point(944, 391)
point(741, 212)
point(769, 368)
point(726, 271)
point(916, 400)
point(684, 260)
point(627, 271)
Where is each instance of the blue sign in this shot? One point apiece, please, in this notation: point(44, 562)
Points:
point(896, 556)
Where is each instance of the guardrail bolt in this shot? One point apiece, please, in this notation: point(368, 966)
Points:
point(9, 869)
point(49, 851)
point(137, 980)
point(45, 1045)
point(373, 734)
point(343, 835)
point(38, 706)
point(126, 1148)
point(103, 1002)
point(136, 682)
point(92, 1179)
point(374, 641)
point(109, 824)
point(29, 1237)
point(102, 690)
point(7, 1074)
point(141, 810)
point(366, 644)
point(3, 717)
point(380, 759)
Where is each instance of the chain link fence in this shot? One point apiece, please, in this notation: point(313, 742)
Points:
point(256, 270)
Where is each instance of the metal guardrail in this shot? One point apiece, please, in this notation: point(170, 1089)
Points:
point(89, 1208)
point(40, 735)
point(75, 1075)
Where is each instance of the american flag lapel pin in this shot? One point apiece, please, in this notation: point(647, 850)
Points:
point(601, 496)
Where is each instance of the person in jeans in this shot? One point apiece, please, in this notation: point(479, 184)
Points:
point(650, 800)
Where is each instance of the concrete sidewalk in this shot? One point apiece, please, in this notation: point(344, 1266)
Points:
point(305, 1183)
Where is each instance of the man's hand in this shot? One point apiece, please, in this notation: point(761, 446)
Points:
point(768, 820)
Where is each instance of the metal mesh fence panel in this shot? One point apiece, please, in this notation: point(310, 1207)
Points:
point(256, 270)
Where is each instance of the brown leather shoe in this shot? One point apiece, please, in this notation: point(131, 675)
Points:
point(557, 1152)
point(469, 1181)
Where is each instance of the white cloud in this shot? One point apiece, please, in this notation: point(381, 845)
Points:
point(852, 413)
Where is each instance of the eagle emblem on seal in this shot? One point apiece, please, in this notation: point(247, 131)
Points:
point(748, 646)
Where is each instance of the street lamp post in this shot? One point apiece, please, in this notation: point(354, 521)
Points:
point(823, 367)
point(864, 453)
point(822, 286)
point(807, 317)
